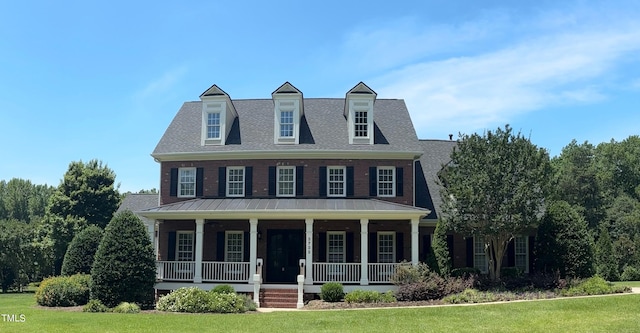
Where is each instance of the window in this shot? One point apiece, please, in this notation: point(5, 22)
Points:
point(361, 124)
point(336, 181)
point(521, 247)
point(187, 182)
point(286, 124)
point(213, 125)
point(235, 181)
point(234, 245)
point(479, 255)
point(184, 246)
point(336, 247)
point(386, 247)
point(386, 181)
point(286, 183)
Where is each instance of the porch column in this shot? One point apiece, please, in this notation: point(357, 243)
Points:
point(415, 233)
point(197, 275)
point(253, 247)
point(364, 252)
point(308, 266)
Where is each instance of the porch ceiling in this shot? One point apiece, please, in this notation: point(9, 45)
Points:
point(266, 208)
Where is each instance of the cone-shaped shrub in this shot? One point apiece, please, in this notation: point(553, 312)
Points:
point(124, 267)
point(81, 251)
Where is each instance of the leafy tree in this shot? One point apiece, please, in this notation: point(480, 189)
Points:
point(441, 249)
point(81, 251)
point(564, 244)
point(54, 235)
point(494, 188)
point(606, 265)
point(17, 254)
point(22, 201)
point(124, 267)
point(87, 191)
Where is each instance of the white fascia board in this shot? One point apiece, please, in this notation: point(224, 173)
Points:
point(286, 154)
point(285, 214)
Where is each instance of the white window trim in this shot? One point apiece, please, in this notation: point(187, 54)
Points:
point(286, 105)
point(195, 182)
point(278, 181)
point(393, 245)
point(219, 126)
point(344, 245)
point(177, 250)
point(226, 243)
point(228, 180)
point(526, 251)
point(220, 107)
point(483, 268)
point(393, 181)
point(344, 181)
point(360, 104)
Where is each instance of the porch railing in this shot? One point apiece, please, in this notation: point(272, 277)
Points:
point(175, 270)
point(216, 271)
point(338, 272)
point(381, 273)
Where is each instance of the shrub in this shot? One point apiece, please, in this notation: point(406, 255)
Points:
point(64, 290)
point(408, 274)
point(81, 251)
point(465, 272)
point(196, 300)
point(630, 273)
point(593, 286)
point(369, 296)
point(95, 305)
point(417, 283)
point(332, 292)
point(223, 289)
point(124, 269)
point(470, 296)
point(249, 304)
point(126, 307)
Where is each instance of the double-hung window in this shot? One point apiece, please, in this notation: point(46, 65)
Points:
point(336, 183)
point(361, 124)
point(213, 125)
point(286, 124)
point(386, 181)
point(187, 182)
point(235, 181)
point(521, 247)
point(234, 245)
point(479, 254)
point(336, 246)
point(386, 247)
point(184, 245)
point(286, 182)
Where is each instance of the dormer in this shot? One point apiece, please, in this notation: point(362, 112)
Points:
point(288, 110)
point(358, 109)
point(218, 114)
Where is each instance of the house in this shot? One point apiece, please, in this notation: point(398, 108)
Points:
point(294, 192)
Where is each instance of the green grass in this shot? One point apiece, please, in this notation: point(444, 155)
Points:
point(594, 314)
point(631, 284)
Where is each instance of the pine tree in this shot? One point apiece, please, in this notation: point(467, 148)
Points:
point(606, 265)
point(441, 249)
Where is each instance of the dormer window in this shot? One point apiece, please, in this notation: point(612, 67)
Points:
point(218, 114)
point(213, 125)
point(288, 110)
point(358, 110)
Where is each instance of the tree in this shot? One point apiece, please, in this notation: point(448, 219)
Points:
point(124, 267)
point(441, 249)
point(81, 251)
point(606, 265)
point(22, 201)
point(55, 233)
point(17, 254)
point(494, 188)
point(87, 191)
point(564, 244)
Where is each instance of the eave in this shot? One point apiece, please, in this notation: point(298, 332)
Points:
point(286, 154)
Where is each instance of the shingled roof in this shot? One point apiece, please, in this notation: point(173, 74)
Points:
point(437, 153)
point(323, 128)
point(136, 202)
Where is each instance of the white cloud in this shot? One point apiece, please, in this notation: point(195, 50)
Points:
point(161, 84)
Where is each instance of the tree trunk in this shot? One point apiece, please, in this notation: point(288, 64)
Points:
point(495, 247)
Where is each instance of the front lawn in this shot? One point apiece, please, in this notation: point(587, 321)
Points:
point(594, 314)
point(630, 284)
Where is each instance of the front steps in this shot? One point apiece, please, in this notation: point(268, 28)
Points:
point(279, 298)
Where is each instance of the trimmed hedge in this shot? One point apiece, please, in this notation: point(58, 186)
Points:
point(332, 292)
point(95, 305)
point(223, 289)
point(126, 307)
point(196, 300)
point(369, 296)
point(64, 290)
point(81, 251)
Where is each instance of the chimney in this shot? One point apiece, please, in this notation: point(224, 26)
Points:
point(450, 137)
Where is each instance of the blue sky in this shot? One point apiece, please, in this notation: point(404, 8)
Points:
point(83, 80)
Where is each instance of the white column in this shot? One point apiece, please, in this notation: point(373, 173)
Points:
point(415, 233)
point(308, 273)
point(253, 247)
point(197, 275)
point(364, 252)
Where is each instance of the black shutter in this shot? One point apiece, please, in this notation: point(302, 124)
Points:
point(322, 177)
point(450, 246)
point(350, 186)
point(272, 180)
point(373, 181)
point(322, 247)
point(173, 182)
point(248, 181)
point(349, 244)
point(171, 255)
point(199, 182)
point(511, 253)
point(373, 247)
point(222, 182)
point(399, 182)
point(220, 246)
point(299, 181)
point(246, 243)
point(469, 251)
point(532, 253)
point(399, 246)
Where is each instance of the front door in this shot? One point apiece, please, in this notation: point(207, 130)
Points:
point(284, 250)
